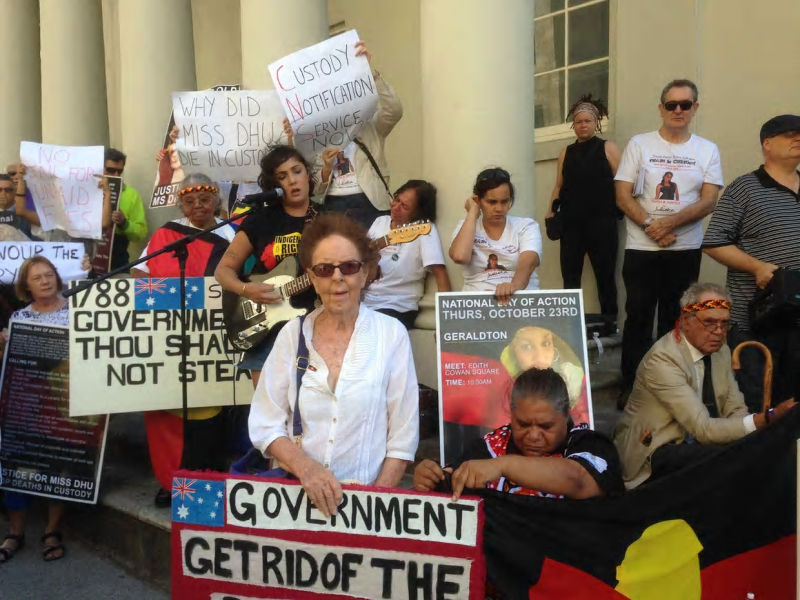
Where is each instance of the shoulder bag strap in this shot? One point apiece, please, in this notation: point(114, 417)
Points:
point(374, 164)
point(301, 364)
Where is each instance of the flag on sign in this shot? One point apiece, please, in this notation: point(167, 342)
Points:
point(198, 501)
point(718, 530)
point(164, 293)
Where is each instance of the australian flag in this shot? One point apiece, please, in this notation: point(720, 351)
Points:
point(198, 501)
point(164, 293)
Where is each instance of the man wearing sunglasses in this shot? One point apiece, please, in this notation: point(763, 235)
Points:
point(685, 402)
point(8, 212)
point(129, 217)
point(664, 230)
point(754, 231)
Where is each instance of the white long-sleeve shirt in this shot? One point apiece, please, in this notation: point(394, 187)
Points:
point(373, 413)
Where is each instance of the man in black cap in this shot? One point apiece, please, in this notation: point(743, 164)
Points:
point(755, 229)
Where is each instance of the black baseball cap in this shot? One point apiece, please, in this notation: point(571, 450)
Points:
point(778, 125)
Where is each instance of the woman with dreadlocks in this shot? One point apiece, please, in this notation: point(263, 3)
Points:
point(585, 192)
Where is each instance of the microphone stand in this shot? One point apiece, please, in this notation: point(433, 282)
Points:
point(180, 249)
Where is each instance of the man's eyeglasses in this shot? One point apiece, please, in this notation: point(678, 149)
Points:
point(498, 174)
point(712, 326)
point(113, 171)
point(673, 104)
point(12, 173)
point(6, 190)
point(325, 270)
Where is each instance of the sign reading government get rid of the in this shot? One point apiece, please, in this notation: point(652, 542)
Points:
point(125, 348)
point(327, 93)
point(243, 537)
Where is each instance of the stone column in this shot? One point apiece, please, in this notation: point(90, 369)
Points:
point(156, 58)
point(271, 29)
point(477, 99)
point(21, 100)
point(74, 108)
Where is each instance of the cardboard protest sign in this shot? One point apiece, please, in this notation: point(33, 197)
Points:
point(225, 134)
point(66, 256)
point(63, 186)
point(125, 343)
point(170, 170)
point(243, 537)
point(44, 451)
point(483, 346)
point(327, 93)
point(101, 263)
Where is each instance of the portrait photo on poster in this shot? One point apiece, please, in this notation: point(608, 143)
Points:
point(483, 347)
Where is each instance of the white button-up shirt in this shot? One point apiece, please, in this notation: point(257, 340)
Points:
point(373, 413)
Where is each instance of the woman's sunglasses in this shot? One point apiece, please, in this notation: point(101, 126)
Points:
point(673, 104)
point(498, 174)
point(325, 270)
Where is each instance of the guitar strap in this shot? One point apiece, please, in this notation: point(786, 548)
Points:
point(301, 364)
point(373, 162)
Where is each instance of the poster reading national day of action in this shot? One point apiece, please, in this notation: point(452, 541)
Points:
point(483, 346)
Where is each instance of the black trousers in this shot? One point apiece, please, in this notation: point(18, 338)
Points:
point(598, 239)
point(654, 281)
point(784, 345)
point(406, 318)
point(356, 206)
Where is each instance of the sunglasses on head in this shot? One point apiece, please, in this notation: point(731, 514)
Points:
point(673, 104)
point(494, 174)
point(349, 267)
point(113, 171)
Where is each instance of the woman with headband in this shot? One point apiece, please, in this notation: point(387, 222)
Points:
point(585, 191)
point(685, 403)
point(198, 199)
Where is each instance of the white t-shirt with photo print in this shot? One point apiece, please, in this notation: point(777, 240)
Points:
point(484, 273)
point(345, 181)
point(403, 269)
point(673, 175)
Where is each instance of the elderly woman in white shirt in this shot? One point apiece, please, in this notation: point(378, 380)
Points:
point(358, 400)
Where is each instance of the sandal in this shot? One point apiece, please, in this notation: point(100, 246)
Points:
point(49, 551)
point(8, 553)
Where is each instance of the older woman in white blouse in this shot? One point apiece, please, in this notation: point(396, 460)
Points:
point(359, 396)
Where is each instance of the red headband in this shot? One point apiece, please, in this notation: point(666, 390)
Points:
point(706, 305)
point(198, 188)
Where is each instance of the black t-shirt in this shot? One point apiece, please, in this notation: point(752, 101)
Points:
point(274, 235)
point(592, 450)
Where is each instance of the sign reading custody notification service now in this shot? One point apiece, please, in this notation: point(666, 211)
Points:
point(483, 346)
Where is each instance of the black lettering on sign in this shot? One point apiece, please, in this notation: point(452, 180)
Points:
point(390, 514)
point(348, 572)
point(249, 509)
point(304, 557)
point(408, 515)
point(267, 495)
point(203, 565)
point(270, 559)
point(416, 583)
point(388, 566)
point(221, 557)
point(444, 587)
point(246, 548)
point(459, 508)
point(330, 581)
point(294, 509)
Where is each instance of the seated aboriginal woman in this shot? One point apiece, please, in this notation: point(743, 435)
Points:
point(499, 253)
point(403, 267)
point(358, 399)
point(532, 346)
point(39, 283)
point(539, 453)
point(271, 235)
point(198, 199)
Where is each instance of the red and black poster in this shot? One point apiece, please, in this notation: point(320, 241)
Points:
point(44, 451)
point(483, 346)
point(101, 263)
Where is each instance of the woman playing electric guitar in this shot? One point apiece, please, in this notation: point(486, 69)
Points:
point(271, 234)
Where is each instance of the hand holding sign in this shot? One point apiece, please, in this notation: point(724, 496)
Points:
point(327, 91)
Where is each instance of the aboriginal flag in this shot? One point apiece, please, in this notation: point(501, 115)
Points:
point(717, 530)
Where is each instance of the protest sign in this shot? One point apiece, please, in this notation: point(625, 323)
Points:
point(64, 188)
point(170, 170)
point(125, 344)
point(101, 263)
point(44, 451)
point(243, 537)
point(327, 93)
point(66, 256)
point(225, 134)
point(482, 346)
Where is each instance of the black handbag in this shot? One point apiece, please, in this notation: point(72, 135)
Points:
point(777, 306)
point(554, 226)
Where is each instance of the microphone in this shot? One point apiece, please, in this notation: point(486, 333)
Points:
point(263, 198)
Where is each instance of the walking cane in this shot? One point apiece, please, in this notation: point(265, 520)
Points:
point(736, 364)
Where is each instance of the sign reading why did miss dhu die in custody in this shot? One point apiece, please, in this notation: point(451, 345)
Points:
point(241, 537)
point(125, 347)
point(483, 346)
point(44, 451)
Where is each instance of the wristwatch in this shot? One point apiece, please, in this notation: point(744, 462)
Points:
point(646, 222)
